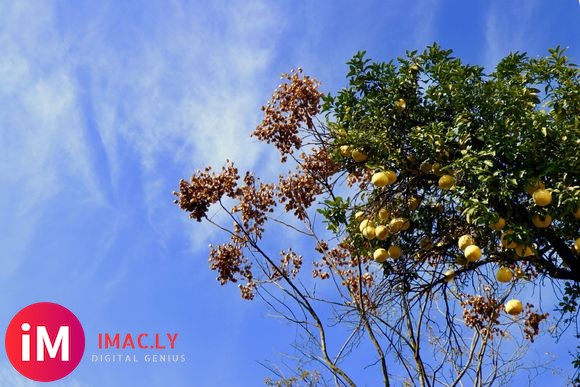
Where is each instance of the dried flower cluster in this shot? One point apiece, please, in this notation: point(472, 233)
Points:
point(247, 290)
point(294, 103)
point(359, 176)
point(292, 109)
point(254, 203)
point(229, 261)
point(481, 312)
point(359, 289)
point(354, 282)
point(337, 257)
point(299, 189)
point(231, 264)
point(206, 188)
point(290, 265)
point(532, 322)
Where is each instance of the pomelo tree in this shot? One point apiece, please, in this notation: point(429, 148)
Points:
point(433, 202)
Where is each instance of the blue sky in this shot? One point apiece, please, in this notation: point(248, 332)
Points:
point(106, 105)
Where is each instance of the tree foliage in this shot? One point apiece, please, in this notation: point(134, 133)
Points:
point(446, 194)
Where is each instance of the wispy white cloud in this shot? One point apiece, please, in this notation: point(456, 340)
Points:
point(508, 29)
point(84, 107)
point(423, 16)
point(111, 108)
point(188, 97)
point(41, 138)
point(191, 86)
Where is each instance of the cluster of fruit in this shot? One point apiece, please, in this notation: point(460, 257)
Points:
point(382, 232)
point(471, 251)
point(504, 274)
point(382, 226)
point(357, 155)
point(387, 226)
point(542, 198)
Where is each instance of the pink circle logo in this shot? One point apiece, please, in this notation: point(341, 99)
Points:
point(45, 342)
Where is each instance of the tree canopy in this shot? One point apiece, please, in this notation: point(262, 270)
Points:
point(436, 197)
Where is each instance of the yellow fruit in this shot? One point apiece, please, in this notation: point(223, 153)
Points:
point(524, 251)
point(345, 150)
point(505, 243)
point(542, 221)
point(382, 233)
point(395, 252)
point(392, 176)
point(365, 223)
point(577, 245)
point(449, 275)
point(380, 255)
point(498, 225)
point(436, 169)
point(400, 104)
point(396, 224)
point(577, 213)
point(406, 224)
point(446, 182)
point(383, 214)
point(358, 156)
point(464, 241)
point(438, 207)
point(425, 167)
point(414, 203)
point(542, 197)
point(380, 179)
point(504, 274)
point(359, 216)
point(472, 253)
point(369, 233)
point(533, 185)
point(514, 307)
